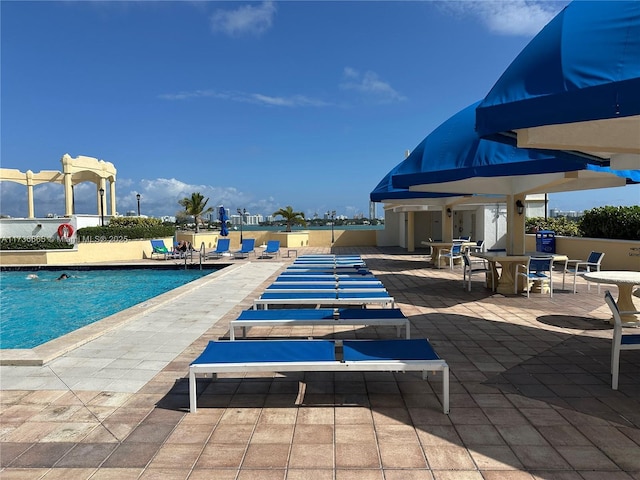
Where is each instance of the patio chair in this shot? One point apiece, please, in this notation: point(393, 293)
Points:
point(620, 341)
point(273, 248)
point(453, 253)
point(580, 267)
point(221, 248)
point(478, 247)
point(158, 248)
point(247, 247)
point(472, 267)
point(537, 269)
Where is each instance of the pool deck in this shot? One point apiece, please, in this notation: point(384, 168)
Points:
point(530, 391)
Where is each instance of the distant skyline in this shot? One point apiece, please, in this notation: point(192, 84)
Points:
point(256, 105)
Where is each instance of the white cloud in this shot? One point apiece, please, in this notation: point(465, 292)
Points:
point(292, 101)
point(158, 197)
point(509, 17)
point(244, 20)
point(369, 84)
point(161, 196)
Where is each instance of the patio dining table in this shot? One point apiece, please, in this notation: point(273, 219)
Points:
point(507, 275)
point(438, 247)
point(625, 280)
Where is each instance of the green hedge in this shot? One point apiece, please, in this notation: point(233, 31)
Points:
point(560, 225)
point(622, 223)
point(33, 243)
point(126, 228)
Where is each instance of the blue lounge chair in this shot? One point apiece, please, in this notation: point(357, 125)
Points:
point(320, 316)
point(245, 356)
point(273, 248)
point(333, 297)
point(331, 262)
point(221, 248)
point(363, 274)
point(326, 280)
point(315, 287)
point(329, 256)
point(158, 248)
point(247, 247)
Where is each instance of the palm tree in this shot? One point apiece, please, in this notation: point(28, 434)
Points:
point(196, 206)
point(291, 217)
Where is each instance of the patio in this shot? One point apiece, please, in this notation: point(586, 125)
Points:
point(531, 398)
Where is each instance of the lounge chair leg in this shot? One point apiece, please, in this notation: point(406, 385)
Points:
point(445, 389)
point(192, 392)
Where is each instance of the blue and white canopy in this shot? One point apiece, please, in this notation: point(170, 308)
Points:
point(453, 158)
point(405, 199)
point(575, 86)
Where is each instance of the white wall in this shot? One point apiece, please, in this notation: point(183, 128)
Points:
point(390, 236)
point(495, 226)
point(483, 222)
point(35, 228)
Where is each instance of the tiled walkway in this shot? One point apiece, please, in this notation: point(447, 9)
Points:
point(530, 395)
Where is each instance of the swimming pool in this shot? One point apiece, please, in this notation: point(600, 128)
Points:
point(36, 310)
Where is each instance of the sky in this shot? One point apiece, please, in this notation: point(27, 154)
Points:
point(256, 105)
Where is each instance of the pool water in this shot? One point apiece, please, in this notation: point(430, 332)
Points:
point(36, 310)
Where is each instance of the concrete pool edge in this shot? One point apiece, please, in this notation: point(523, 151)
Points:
point(55, 348)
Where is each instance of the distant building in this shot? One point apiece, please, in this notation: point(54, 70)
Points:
point(372, 210)
point(248, 219)
point(555, 213)
point(253, 219)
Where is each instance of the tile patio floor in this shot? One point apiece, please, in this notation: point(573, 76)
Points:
point(530, 394)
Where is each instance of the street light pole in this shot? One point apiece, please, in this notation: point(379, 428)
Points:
point(102, 206)
point(333, 216)
point(138, 198)
point(242, 212)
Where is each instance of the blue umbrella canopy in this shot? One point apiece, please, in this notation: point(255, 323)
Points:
point(453, 158)
point(222, 217)
point(385, 192)
point(575, 86)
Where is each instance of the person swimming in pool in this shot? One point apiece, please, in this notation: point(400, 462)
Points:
point(33, 276)
point(64, 276)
